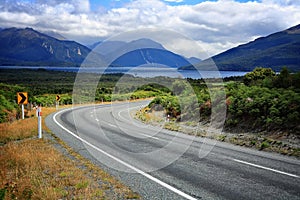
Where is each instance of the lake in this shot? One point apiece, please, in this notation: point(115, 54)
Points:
point(141, 71)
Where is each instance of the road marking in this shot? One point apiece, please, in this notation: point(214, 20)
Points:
point(119, 113)
point(148, 136)
point(112, 125)
point(169, 187)
point(266, 168)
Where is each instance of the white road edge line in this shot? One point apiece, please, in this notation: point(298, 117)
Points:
point(169, 187)
point(266, 168)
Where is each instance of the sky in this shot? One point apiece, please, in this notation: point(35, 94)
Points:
point(215, 25)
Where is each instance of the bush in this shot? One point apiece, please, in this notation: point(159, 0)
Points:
point(264, 145)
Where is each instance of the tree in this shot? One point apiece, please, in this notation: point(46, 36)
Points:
point(181, 87)
point(284, 79)
point(257, 76)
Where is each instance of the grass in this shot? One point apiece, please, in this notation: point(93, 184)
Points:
point(32, 168)
point(17, 130)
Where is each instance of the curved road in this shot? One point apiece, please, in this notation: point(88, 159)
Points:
point(149, 159)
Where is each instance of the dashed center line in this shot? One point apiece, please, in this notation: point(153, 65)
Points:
point(266, 168)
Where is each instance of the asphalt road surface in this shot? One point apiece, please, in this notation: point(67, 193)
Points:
point(161, 164)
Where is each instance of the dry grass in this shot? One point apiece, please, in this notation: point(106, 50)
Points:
point(17, 130)
point(32, 168)
point(21, 129)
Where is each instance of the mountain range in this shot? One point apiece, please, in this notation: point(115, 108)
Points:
point(273, 51)
point(33, 48)
point(30, 47)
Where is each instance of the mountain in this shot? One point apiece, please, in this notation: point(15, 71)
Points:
point(30, 47)
point(150, 57)
point(107, 47)
point(139, 52)
point(54, 35)
point(274, 51)
point(194, 60)
point(94, 45)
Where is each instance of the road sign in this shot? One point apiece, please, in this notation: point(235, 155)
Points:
point(57, 97)
point(22, 98)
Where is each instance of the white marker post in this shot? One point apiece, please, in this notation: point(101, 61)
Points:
point(23, 114)
point(39, 122)
point(57, 102)
point(57, 105)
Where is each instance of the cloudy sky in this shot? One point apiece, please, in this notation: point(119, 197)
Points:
point(216, 25)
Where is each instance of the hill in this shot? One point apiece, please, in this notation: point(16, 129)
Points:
point(274, 51)
point(32, 48)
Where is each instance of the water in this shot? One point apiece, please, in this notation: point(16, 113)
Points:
point(141, 71)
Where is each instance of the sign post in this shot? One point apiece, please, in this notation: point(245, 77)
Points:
point(39, 111)
point(22, 98)
point(57, 101)
point(23, 112)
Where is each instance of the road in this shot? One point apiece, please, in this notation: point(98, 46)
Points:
point(161, 164)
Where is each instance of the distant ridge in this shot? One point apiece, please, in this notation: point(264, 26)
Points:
point(32, 48)
point(29, 47)
point(274, 51)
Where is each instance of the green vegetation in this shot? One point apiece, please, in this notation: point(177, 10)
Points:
point(261, 101)
point(8, 106)
point(255, 107)
point(43, 86)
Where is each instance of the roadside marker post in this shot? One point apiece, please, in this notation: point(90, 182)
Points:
point(23, 112)
point(39, 111)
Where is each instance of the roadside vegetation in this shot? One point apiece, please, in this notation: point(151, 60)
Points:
point(263, 110)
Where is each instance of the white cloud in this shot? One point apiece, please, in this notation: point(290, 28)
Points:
point(216, 26)
point(176, 1)
point(282, 2)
